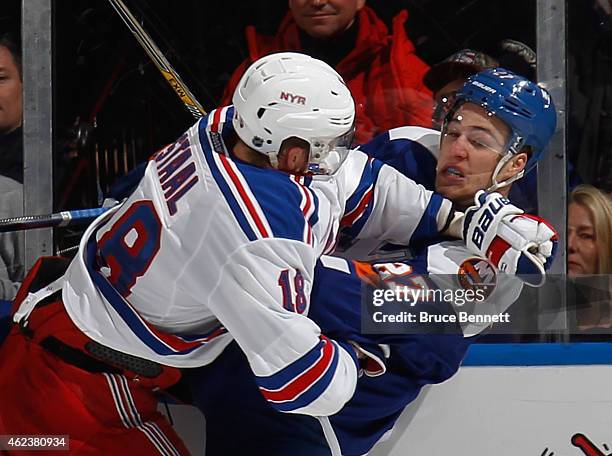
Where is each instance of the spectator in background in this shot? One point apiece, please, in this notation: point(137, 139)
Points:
point(11, 243)
point(11, 165)
point(11, 109)
point(445, 78)
point(589, 255)
point(382, 71)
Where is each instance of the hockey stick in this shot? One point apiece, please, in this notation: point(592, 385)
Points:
point(588, 448)
point(160, 61)
point(60, 219)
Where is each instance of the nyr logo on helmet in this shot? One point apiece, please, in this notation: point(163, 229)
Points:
point(484, 87)
point(292, 98)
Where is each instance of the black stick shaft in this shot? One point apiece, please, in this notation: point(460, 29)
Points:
point(159, 59)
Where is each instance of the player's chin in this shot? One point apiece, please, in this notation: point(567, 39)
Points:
point(452, 191)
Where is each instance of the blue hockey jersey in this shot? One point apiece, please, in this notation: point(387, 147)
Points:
point(227, 394)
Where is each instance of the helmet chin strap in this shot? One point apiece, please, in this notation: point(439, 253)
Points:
point(497, 185)
point(273, 157)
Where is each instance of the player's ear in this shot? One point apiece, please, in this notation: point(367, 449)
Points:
point(514, 166)
point(519, 162)
point(293, 156)
point(292, 160)
point(360, 4)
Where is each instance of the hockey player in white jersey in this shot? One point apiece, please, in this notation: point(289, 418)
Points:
point(218, 242)
point(495, 108)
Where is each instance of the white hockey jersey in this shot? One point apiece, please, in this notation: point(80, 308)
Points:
point(208, 248)
point(413, 151)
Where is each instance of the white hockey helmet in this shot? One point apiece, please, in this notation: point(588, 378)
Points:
point(287, 95)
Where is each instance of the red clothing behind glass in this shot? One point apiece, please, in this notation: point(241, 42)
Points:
point(383, 72)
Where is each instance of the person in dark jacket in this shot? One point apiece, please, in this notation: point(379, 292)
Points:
point(11, 165)
point(11, 109)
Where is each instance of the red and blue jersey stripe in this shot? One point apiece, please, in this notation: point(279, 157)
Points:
point(428, 229)
point(303, 381)
point(264, 203)
point(158, 341)
point(360, 204)
point(229, 179)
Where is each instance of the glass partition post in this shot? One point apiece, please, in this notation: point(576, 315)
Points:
point(37, 123)
point(552, 176)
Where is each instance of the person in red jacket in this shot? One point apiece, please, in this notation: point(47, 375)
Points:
point(382, 70)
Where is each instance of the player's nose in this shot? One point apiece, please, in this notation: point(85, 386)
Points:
point(459, 148)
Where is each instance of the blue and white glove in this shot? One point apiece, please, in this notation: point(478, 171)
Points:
point(514, 242)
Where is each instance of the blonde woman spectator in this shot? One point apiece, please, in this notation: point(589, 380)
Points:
point(590, 254)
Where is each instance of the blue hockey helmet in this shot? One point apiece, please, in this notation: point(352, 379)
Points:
point(525, 107)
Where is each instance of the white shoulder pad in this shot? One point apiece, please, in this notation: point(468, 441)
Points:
point(425, 136)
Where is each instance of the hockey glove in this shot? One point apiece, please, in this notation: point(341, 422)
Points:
point(371, 359)
point(515, 243)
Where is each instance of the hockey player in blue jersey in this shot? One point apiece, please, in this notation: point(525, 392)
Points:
point(218, 242)
point(498, 118)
